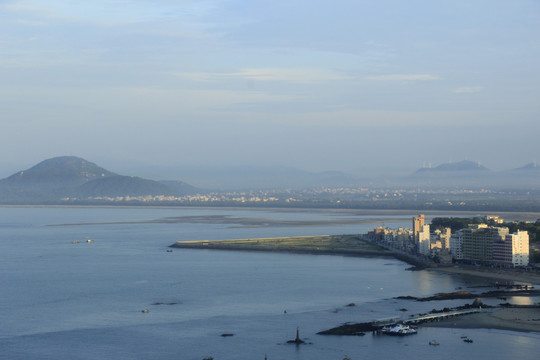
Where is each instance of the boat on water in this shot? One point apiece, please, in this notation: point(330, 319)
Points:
point(468, 340)
point(398, 330)
point(434, 342)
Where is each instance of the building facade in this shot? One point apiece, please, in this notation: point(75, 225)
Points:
point(456, 245)
point(478, 242)
point(513, 250)
point(418, 224)
point(424, 241)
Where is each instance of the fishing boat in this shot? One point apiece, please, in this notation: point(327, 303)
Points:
point(398, 330)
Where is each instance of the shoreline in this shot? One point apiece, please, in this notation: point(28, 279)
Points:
point(306, 245)
point(514, 318)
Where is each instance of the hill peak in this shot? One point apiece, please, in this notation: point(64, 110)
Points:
point(530, 166)
point(63, 171)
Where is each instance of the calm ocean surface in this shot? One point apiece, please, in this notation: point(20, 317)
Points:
point(61, 300)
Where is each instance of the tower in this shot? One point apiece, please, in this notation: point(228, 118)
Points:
point(418, 225)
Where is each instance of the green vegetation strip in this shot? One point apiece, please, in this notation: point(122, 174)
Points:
point(317, 243)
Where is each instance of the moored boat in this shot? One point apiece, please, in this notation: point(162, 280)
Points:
point(398, 330)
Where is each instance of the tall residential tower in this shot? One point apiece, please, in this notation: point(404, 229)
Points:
point(418, 223)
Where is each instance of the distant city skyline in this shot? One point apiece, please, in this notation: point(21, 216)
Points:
point(347, 85)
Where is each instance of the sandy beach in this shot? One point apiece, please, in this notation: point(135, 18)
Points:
point(513, 319)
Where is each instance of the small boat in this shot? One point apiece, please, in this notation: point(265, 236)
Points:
point(434, 342)
point(468, 340)
point(398, 330)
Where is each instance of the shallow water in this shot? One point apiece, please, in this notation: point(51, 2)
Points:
point(84, 300)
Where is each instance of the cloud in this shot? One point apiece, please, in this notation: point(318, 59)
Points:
point(199, 76)
point(468, 89)
point(291, 75)
point(404, 77)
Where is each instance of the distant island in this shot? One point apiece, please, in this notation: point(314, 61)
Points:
point(460, 186)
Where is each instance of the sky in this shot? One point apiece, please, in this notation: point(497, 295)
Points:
point(316, 85)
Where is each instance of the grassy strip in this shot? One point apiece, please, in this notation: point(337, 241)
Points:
point(317, 243)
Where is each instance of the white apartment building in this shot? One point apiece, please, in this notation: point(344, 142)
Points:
point(456, 245)
point(424, 243)
point(513, 250)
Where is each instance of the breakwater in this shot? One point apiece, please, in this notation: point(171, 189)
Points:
point(344, 245)
point(377, 325)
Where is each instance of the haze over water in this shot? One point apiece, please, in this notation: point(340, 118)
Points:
point(84, 300)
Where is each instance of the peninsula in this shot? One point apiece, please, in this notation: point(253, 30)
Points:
point(345, 245)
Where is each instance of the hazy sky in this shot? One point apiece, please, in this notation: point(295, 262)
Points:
point(318, 85)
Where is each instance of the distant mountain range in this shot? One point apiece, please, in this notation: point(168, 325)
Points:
point(471, 174)
point(464, 165)
point(76, 178)
point(73, 177)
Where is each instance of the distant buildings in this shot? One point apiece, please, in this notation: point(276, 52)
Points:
point(494, 218)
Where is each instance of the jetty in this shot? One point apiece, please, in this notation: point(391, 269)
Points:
point(418, 319)
point(376, 326)
point(344, 245)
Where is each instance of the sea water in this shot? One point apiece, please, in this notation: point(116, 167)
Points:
point(64, 297)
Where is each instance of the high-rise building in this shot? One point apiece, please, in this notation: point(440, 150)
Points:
point(456, 245)
point(424, 244)
point(513, 250)
point(417, 225)
point(478, 240)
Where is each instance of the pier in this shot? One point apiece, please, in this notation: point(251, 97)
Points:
point(418, 319)
point(376, 325)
